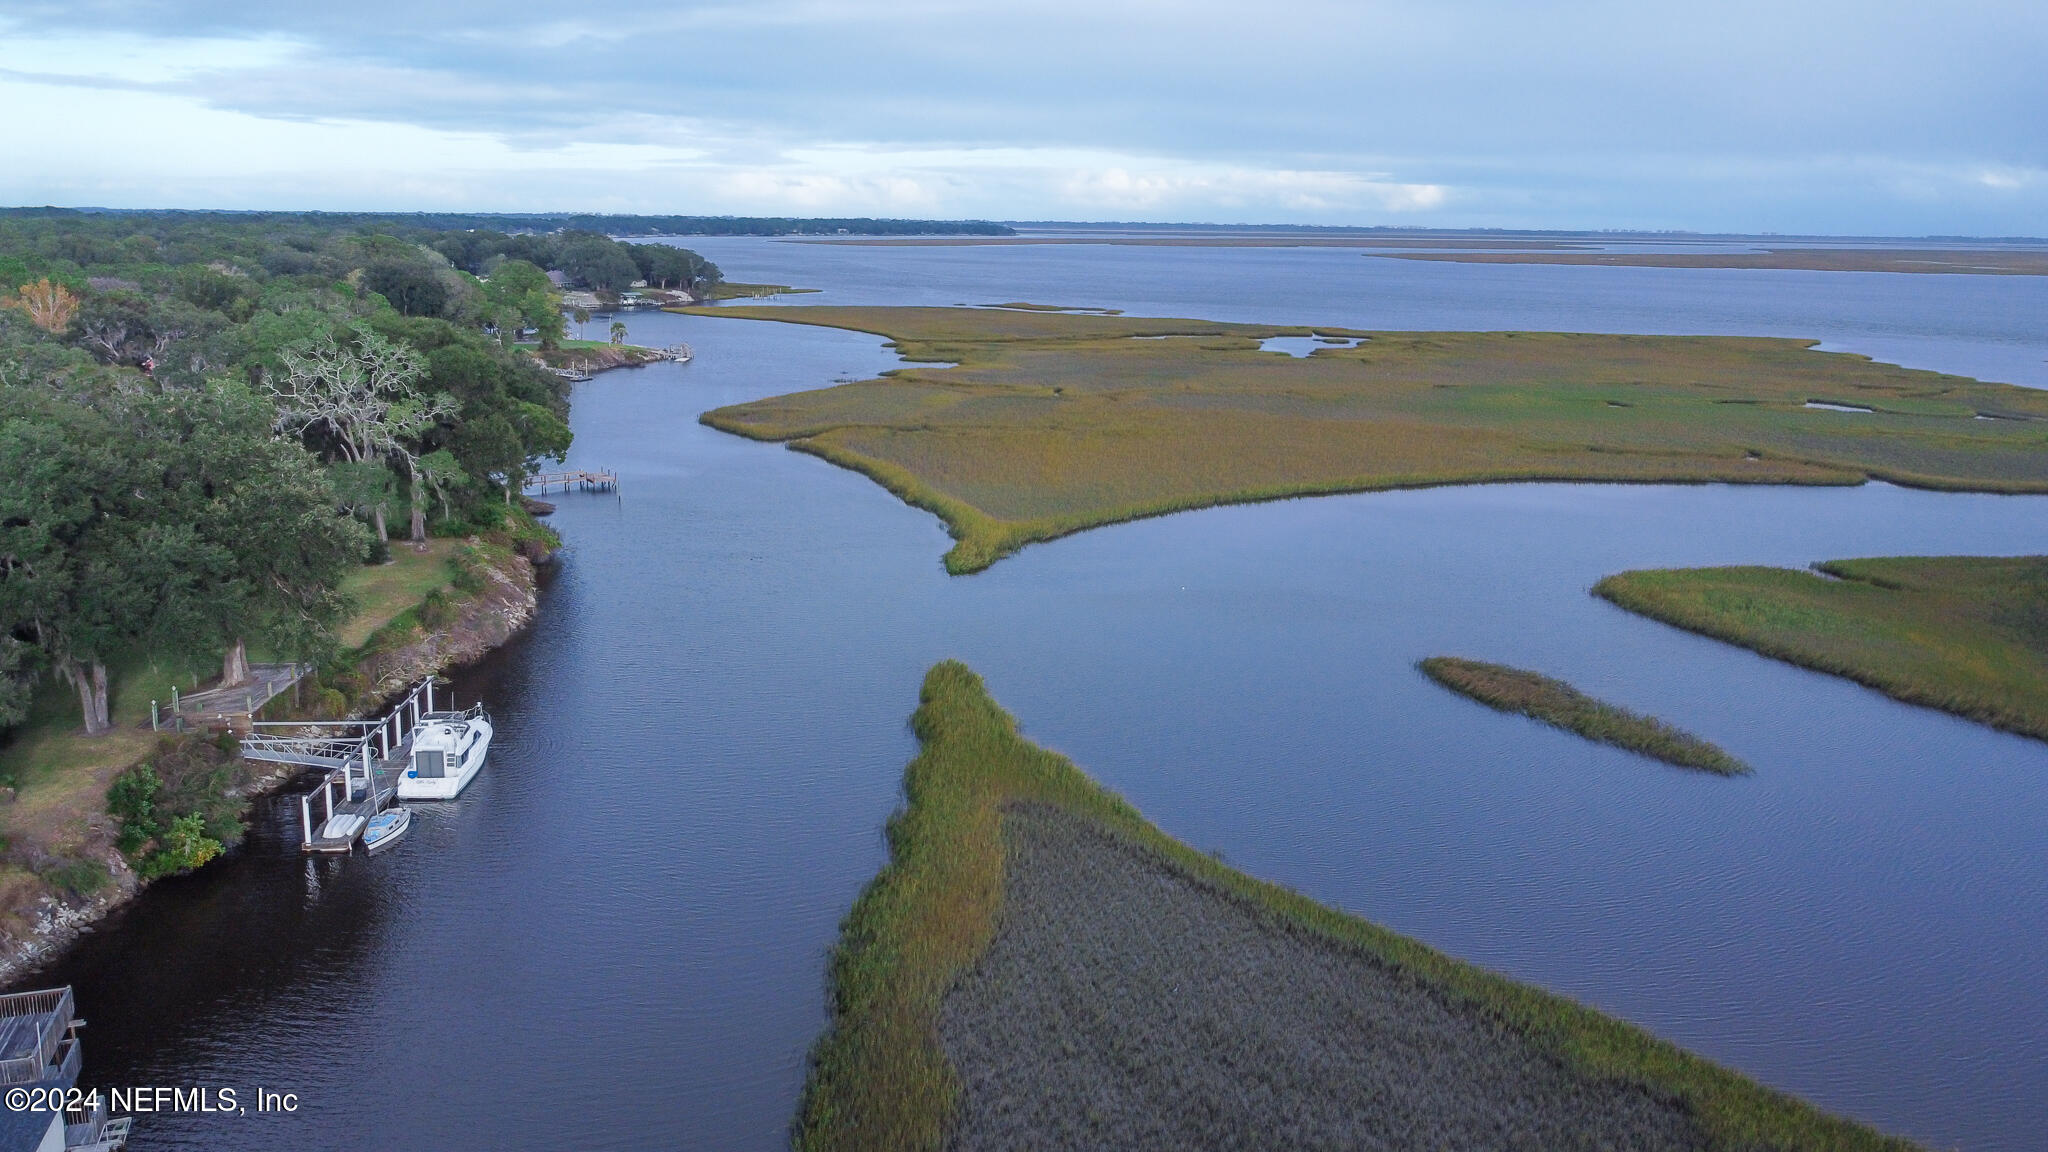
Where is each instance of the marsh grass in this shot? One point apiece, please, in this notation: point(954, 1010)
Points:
point(1046, 423)
point(1965, 634)
point(1968, 261)
point(728, 290)
point(1560, 705)
point(879, 1078)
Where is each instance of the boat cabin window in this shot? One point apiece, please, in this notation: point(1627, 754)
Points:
point(428, 765)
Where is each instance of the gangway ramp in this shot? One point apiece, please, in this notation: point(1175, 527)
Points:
point(364, 761)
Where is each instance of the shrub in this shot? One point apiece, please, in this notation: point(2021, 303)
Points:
point(438, 610)
point(185, 845)
point(79, 878)
point(175, 811)
point(131, 799)
point(469, 570)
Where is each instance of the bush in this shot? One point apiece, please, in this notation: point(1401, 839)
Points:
point(185, 846)
point(175, 812)
point(380, 552)
point(131, 799)
point(327, 704)
point(79, 878)
point(438, 610)
point(469, 570)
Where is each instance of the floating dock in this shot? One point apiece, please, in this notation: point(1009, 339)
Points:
point(365, 760)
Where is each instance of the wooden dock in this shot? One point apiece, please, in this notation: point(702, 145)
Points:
point(584, 479)
point(232, 706)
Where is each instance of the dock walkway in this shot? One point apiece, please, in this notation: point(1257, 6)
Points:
point(589, 480)
point(364, 760)
point(229, 706)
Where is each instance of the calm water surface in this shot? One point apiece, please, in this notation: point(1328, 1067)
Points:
point(615, 939)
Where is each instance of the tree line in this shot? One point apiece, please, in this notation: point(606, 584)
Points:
point(414, 223)
point(208, 419)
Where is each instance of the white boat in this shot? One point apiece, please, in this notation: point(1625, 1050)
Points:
point(447, 749)
point(386, 827)
point(341, 826)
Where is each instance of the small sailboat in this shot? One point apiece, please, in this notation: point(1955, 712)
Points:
point(386, 827)
point(447, 749)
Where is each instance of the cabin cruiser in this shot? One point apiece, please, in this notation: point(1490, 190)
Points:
point(447, 749)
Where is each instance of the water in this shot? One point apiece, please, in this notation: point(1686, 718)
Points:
point(1989, 327)
point(1300, 346)
point(615, 939)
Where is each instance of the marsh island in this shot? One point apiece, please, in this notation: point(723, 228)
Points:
point(1965, 634)
point(1016, 426)
point(1038, 966)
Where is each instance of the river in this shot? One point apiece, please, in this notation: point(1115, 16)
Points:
point(616, 938)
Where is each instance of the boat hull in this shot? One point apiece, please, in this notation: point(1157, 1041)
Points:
point(459, 771)
point(381, 834)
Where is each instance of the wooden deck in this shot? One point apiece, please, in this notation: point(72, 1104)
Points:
point(231, 706)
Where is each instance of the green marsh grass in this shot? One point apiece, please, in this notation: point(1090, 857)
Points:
point(729, 290)
point(1560, 705)
point(1018, 425)
point(1965, 634)
point(880, 1080)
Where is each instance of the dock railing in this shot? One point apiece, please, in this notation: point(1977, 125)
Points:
point(351, 750)
point(55, 1010)
point(590, 480)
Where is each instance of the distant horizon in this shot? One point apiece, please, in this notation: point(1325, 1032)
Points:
point(1038, 224)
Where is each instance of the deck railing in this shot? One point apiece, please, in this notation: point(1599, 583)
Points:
point(55, 1007)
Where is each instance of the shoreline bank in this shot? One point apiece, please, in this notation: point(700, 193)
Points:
point(397, 654)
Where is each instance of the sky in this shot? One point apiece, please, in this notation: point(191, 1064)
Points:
point(1796, 116)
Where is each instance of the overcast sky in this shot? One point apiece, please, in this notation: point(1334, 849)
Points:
point(1790, 116)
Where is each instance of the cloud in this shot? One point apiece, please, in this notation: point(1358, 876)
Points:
point(1793, 115)
point(1317, 194)
point(822, 194)
point(2010, 179)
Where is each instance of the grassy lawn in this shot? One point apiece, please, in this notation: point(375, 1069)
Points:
point(1560, 705)
point(51, 746)
point(384, 591)
point(586, 345)
point(62, 775)
point(1965, 634)
point(879, 1078)
point(1048, 423)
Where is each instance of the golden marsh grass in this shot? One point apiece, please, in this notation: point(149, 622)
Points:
point(1047, 423)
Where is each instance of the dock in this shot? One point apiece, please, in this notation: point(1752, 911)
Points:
point(364, 759)
point(231, 706)
point(587, 480)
